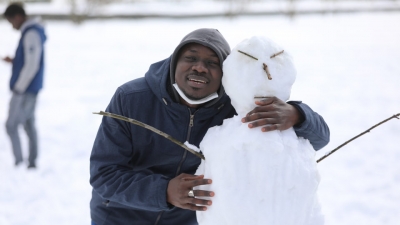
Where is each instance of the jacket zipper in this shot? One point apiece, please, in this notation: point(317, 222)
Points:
point(158, 217)
point(183, 157)
point(187, 139)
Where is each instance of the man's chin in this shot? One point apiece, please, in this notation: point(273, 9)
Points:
point(195, 98)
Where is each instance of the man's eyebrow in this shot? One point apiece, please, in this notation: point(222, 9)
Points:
point(193, 50)
point(214, 55)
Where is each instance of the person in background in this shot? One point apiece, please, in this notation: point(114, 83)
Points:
point(26, 80)
point(139, 177)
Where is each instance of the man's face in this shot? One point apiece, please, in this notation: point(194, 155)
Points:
point(198, 72)
point(16, 21)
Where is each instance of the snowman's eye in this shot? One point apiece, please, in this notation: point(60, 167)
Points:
point(276, 54)
point(247, 54)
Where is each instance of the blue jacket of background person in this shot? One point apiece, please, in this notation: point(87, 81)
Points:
point(18, 62)
point(130, 166)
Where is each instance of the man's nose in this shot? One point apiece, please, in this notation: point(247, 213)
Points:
point(200, 67)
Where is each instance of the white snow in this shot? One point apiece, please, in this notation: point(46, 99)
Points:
point(193, 147)
point(347, 71)
point(259, 178)
point(262, 75)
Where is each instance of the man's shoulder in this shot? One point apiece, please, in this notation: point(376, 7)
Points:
point(35, 32)
point(134, 86)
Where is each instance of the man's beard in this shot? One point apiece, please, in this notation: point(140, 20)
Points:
point(193, 97)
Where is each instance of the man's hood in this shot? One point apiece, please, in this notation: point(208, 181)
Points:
point(31, 22)
point(208, 37)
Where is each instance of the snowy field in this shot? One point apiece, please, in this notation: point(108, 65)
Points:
point(348, 71)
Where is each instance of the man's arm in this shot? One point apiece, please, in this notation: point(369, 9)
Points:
point(112, 175)
point(32, 54)
point(313, 127)
point(8, 59)
point(274, 114)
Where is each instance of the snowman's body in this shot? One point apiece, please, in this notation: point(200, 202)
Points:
point(258, 177)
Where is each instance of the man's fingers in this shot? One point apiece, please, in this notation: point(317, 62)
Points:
point(269, 124)
point(192, 177)
point(181, 194)
point(198, 201)
point(259, 118)
point(194, 207)
point(200, 182)
point(201, 193)
point(197, 204)
point(258, 115)
point(272, 114)
point(259, 123)
point(271, 109)
point(271, 128)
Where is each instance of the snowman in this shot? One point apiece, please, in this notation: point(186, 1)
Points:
point(267, 178)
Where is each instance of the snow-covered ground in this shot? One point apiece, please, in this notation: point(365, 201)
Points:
point(348, 71)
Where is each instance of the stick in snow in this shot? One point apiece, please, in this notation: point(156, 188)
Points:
point(334, 150)
point(155, 130)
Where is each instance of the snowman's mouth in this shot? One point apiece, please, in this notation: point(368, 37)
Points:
point(198, 81)
point(261, 97)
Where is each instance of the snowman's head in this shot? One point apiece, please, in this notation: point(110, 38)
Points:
point(257, 67)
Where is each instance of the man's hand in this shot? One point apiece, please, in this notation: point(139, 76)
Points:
point(7, 59)
point(179, 187)
point(273, 114)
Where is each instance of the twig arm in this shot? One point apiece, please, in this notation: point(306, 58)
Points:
point(155, 130)
point(334, 150)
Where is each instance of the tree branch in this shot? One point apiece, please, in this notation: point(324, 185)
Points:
point(334, 150)
point(155, 130)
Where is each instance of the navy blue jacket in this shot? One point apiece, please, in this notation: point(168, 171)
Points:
point(19, 60)
point(130, 166)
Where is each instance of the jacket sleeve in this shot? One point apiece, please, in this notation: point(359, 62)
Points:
point(32, 53)
point(313, 127)
point(112, 175)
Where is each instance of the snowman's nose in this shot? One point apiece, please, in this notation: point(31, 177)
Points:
point(265, 67)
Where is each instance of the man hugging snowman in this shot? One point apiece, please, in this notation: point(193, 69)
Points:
point(139, 177)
